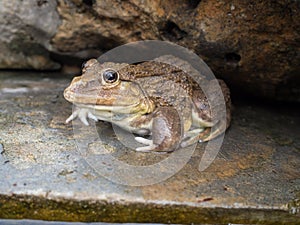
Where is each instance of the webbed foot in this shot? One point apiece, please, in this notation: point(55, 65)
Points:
point(150, 146)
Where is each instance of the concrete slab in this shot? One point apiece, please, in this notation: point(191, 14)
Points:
point(254, 179)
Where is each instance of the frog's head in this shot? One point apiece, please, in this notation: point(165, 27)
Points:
point(102, 87)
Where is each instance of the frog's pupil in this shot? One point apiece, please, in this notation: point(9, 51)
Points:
point(110, 76)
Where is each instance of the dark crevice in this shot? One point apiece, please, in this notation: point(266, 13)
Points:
point(172, 31)
point(232, 58)
point(193, 3)
point(89, 2)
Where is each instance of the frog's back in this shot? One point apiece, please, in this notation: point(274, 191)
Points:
point(160, 80)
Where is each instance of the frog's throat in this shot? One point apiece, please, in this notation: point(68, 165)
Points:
point(142, 107)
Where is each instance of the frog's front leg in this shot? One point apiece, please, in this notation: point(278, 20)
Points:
point(83, 114)
point(167, 131)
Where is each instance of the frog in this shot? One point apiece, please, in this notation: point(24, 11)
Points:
point(161, 104)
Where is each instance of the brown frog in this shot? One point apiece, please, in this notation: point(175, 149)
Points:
point(151, 98)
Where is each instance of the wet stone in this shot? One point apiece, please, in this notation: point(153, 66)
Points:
point(47, 174)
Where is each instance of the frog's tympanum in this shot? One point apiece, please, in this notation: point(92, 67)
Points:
point(160, 103)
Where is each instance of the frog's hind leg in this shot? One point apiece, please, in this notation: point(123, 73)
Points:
point(192, 136)
point(215, 131)
point(166, 132)
point(204, 134)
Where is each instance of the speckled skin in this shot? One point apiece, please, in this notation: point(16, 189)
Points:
point(150, 98)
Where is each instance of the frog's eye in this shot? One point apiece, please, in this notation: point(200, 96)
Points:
point(110, 76)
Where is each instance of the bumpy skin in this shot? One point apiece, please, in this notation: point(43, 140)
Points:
point(151, 98)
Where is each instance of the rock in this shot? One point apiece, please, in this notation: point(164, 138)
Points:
point(25, 32)
point(54, 171)
point(252, 45)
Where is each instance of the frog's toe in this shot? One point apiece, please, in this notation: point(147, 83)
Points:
point(150, 146)
point(215, 131)
point(191, 137)
point(92, 116)
point(73, 116)
point(83, 115)
point(144, 141)
point(70, 118)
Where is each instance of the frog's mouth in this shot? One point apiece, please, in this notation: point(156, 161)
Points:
point(131, 108)
point(142, 106)
point(125, 97)
point(111, 101)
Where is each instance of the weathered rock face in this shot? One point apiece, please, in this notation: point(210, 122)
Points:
point(25, 31)
point(252, 45)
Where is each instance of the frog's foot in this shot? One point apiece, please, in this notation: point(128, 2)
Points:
point(83, 115)
point(150, 146)
point(215, 131)
point(191, 137)
point(203, 135)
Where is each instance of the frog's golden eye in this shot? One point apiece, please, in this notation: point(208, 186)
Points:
point(110, 76)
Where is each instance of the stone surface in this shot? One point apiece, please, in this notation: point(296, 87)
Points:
point(26, 30)
point(253, 45)
point(44, 175)
point(41, 222)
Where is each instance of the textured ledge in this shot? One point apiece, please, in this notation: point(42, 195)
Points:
point(254, 179)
